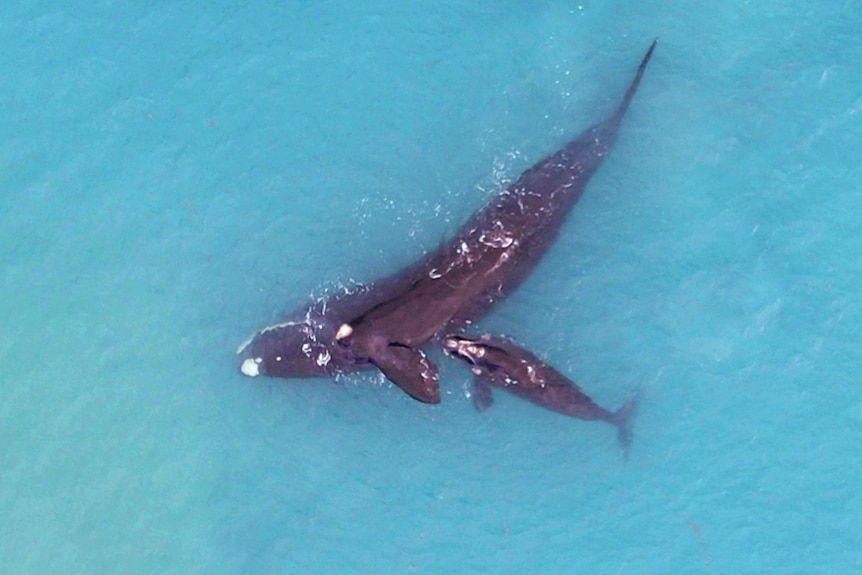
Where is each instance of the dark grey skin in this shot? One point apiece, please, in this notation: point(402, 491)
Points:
point(499, 363)
point(385, 324)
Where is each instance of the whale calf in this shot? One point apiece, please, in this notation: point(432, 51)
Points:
point(386, 324)
point(499, 363)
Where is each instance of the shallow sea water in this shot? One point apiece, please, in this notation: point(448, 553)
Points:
point(173, 178)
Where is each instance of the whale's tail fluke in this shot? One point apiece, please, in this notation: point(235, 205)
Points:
point(633, 87)
point(622, 418)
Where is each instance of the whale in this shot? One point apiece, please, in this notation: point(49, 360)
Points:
point(391, 323)
point(500, 363)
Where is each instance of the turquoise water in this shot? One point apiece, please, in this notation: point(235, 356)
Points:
point(174, 178)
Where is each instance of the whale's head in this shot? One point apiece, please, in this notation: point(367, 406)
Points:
point(481, 355)
point(303, 348)
point(470, 351)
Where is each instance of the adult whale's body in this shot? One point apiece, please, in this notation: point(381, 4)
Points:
point(386, 323)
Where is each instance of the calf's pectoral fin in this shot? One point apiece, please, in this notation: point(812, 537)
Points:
point(409, 369)
point(481, 392)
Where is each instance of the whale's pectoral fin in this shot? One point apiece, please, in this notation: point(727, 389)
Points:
point(482, 398)
point(409, 369)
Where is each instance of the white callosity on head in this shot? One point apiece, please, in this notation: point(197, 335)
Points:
point(344, 331)
point(464, 348)
point(251, 367)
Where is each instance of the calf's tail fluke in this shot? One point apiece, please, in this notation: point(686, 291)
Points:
point(633, 87)
point(622, 418)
